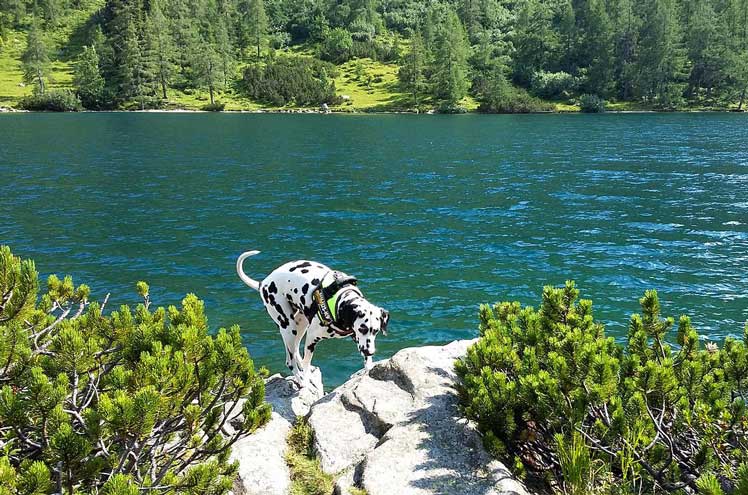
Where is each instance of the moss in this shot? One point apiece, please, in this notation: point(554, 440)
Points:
point(307, 477)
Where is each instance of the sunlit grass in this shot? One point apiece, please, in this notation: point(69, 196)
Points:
point(366, 84)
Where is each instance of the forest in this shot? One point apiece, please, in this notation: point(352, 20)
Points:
point(448, 55)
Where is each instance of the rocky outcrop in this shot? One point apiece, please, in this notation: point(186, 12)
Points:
point(261, 455)
point(397, 430)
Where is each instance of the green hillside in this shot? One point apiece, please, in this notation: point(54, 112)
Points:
point(374, 55)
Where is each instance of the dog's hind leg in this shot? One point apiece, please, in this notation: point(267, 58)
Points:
point(314, 334)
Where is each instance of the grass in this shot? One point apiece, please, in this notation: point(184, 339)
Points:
point(366, 84)
point(307, 477)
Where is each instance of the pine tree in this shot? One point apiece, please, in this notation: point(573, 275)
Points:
point(626, 24)
point(535, 41)
point(158, 38)
point(736, 22)
point(412, 67)
point(87, 79)
point(567, 31)
point(660, 62)
point(450, 61)
point(596, 46)
point(254, 24)
point(35, 59)
point(51, 11)
point(206, 70)
point(706, 43)
point(116, 403)
point(225, 50)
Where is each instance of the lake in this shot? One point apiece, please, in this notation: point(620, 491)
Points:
point(433, 214)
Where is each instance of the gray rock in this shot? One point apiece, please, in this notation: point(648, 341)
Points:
point(397, 430)
point(261, 455)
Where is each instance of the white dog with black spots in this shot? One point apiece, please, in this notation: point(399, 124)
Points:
point(287, 294)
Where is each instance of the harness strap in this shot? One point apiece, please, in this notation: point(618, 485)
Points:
point(328, 293)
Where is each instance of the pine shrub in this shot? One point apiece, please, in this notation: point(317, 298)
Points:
point(52, 101)
point(300, 81)
point(552, 393)
point(591, 104)
point(136, 401)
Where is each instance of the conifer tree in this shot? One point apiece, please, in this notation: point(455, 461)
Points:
point(449, 71)
point(161, 44)
point(535, 42)
point(225, 50)
point(36, 59)
point(626, 24)
point(206, 71)
point(706, 43)
point(412, 67)
point(88, 80)
point(254, 24)
point(117, 403)
point(660, 63)
point(596, 46)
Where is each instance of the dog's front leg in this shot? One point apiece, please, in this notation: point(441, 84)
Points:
point(368, 362)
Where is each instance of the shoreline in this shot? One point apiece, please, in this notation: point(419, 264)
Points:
point(311, 111)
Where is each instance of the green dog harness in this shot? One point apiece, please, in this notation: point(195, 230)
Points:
point(328, 292)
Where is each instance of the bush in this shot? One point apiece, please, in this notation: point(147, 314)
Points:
point(550, 391)
point(552, 85)
point(497, 95)
point(214, 107)
point(134, 401)
point(52, 101)
point(301, 81)
point(591, 104)
point(337, 46)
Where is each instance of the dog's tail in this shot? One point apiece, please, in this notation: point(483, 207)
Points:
point(245, 278)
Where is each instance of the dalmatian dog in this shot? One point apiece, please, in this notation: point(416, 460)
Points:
point(308, 299)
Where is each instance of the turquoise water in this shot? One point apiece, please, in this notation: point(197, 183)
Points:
point(434, 214)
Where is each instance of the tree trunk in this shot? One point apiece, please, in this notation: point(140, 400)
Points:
point(41, 82)
point(163, 87)
point(742, 99)
point(210, 89)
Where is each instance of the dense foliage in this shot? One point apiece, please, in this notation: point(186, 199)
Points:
point(552, 393)
point(301, 81)
point(52, 101)
point(135, 401)
point(660, 53)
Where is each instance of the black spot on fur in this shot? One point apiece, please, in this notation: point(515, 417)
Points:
point(300, 265)
point(272, 288)
point(304, 288)
point(304, 271)
point(293, 332)
point(311, 346)
point(289, 298)
point(315, 281)
point(265, 295)
point(309, 311)
point(363, 329)
point(303, 302)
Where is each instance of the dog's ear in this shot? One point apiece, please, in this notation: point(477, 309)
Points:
point(385, 320)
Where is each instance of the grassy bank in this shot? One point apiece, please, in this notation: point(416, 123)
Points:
point(364, 85)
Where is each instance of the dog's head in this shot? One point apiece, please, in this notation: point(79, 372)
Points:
point(367, 321)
